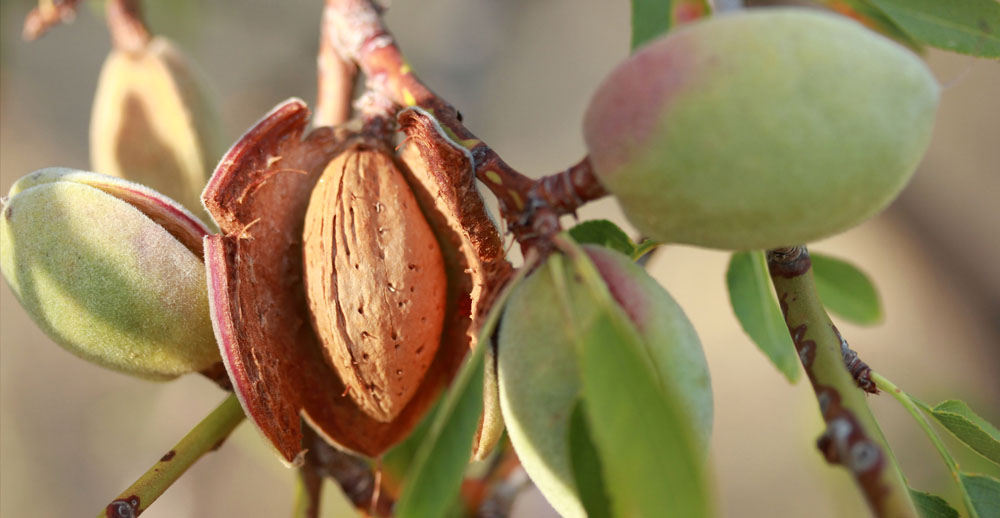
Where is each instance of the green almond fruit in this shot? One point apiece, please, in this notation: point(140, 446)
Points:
point(153, 123)
point(537, 364)
point(761, 128)
point(110, 270)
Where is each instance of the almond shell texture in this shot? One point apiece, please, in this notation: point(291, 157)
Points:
point(375, 280)
point(259, 197)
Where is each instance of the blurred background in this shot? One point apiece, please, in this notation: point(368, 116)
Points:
point(521, 71)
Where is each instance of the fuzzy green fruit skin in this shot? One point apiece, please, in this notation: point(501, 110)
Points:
point(759, 129)
point(537, 366)
point(102, 279)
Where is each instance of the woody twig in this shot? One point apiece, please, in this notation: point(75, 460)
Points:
point(530, 207)
point(852, 437)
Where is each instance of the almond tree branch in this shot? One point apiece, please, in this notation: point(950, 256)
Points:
point(531, 210)
point(48, 14)
point(354, 475)
point(336, 77)
point(852, 437)
point(308, 490)
point(570, 189)
point(128, 31)
point(360, 34)
point(203, 438)
point(124, 17)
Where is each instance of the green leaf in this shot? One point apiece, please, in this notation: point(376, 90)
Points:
point(435, 476)
point(645, 247)
point(650, 457)
point(871, 17)
point(845, 290)
point(984, 492)
point(757, 310)
point(587, 466)
point(651, 18)
point(932, 506)
point(968, 427)
point(966, 26)
point(605, 233)
point(399, 459)
point(645, 439)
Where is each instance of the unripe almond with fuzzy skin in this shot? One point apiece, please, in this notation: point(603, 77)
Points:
point(375, 280)
point(152, 122)
point(110, 270)
point(537, 365)
point(760, 128)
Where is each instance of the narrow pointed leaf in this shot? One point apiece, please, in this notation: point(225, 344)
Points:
point(587, 466)
point(968, 427)
point(966, 26)
point(873, 18)
point(932, 506)
point(397, 461)
point(435, 476)
point(846, 291)
point(757, 310)
point(984, 492)
point(651, 461)
point(605, 233)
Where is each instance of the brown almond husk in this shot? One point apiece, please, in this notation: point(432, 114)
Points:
point(441, 174)
point(258, 196)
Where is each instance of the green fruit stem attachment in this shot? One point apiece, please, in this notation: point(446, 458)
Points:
point(911, 407)
point(203, 438)
point(530, 207)
point(852, 437)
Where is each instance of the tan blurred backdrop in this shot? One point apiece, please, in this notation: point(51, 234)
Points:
point(72, 436)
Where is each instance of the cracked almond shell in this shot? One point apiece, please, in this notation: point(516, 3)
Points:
point(259, 196)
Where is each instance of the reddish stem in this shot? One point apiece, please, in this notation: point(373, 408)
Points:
point(353, 475)
point(46, 16)
point(128, 31)
point(312, 486)
point(531, 208)
point(570, 189)
point(336, 77)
